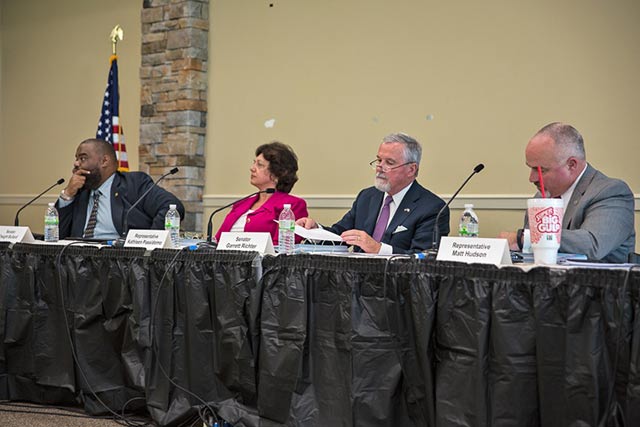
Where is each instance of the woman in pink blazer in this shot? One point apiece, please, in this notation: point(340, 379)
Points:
point(275, 166)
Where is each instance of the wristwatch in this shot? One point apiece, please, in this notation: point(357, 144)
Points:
point(64, 196)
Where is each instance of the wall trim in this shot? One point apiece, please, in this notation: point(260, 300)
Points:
point(338, 201)
point(329, 201)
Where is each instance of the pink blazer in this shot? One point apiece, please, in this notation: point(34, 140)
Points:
point(262, 219)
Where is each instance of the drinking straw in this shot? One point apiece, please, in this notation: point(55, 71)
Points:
point(544, 196)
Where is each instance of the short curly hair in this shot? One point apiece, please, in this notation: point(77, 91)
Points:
point(283, 164)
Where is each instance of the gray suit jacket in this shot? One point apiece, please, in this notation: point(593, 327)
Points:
point(599, 219)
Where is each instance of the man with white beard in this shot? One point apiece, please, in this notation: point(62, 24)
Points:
point(397, 215)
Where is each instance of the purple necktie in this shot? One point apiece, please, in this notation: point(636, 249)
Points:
point(383, 219)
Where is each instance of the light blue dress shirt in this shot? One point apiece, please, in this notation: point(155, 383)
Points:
point(105, 229)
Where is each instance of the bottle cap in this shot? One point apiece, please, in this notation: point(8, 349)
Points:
point(172, 206)
point(287, 205)
point(51, 204)
point(468, 205)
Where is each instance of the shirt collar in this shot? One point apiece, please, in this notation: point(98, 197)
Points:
point(566, 196)
point(105, 188)
point(397, 198)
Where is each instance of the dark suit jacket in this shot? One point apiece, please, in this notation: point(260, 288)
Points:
point(599, 219)
point(417, 214)
point(126, 189)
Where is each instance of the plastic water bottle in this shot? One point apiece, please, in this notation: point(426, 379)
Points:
point(51, 223)
point(468, 226)
point(172, 225)
point(286, 230)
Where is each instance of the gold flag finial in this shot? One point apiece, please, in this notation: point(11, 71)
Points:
point(116, 34)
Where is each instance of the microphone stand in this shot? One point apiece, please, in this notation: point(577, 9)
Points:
point(125, 226)
point(16, 222)
point(210, 223)
point(436, 231)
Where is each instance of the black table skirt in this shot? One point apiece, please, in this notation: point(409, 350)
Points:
point(319, 340)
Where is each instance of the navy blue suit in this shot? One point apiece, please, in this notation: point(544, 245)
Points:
point(126, 189)
point(412, 225)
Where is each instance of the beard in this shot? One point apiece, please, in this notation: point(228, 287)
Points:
point(92, 181)
point(381, 183)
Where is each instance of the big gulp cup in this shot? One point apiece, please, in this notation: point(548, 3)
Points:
point(545, 224)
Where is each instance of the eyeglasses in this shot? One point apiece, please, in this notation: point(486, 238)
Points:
point(259, 165)
point(377, 163)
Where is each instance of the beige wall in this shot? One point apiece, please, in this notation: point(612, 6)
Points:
point(54, 66)
point(471, 80)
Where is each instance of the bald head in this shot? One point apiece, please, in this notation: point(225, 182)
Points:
point(102, 148)
point(96, 161)
point(558, 150)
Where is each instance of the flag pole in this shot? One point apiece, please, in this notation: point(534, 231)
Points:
point(116, 34)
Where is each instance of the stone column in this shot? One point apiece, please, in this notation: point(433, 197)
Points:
point(173, 107)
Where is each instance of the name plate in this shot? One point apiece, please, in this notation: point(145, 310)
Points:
point(474, 250)
point(16, 234)
point(149, 239)
point(252, 242)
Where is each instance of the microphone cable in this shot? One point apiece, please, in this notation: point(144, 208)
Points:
point(208, 421)
point(117, 417)
point(394, 336)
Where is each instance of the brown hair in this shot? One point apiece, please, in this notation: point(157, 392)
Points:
point(283, 164)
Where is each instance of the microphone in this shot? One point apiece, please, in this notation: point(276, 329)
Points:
point(16, 222)
point(125, 226)
point(436, 230)
point(210, 223)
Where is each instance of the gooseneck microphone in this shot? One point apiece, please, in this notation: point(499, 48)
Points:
point(436, 230)
point(16, 222)
point(125, 226)
point(210, 223)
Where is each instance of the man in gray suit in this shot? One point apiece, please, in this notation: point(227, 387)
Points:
point(598, 219)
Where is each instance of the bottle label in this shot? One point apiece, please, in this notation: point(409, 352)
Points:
point(170, 223)
point(287, 224)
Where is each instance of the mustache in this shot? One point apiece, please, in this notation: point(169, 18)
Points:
point(381, 175)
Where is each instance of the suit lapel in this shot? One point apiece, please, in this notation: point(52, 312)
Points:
point(404, 210)
point(578, 192)
point(80, 213)
point(117, 203)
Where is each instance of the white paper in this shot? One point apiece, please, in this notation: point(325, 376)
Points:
point(317, 234)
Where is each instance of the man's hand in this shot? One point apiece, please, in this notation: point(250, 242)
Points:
point(76, 182)
point(512, 238)
point(307, 223)
point(361, 239)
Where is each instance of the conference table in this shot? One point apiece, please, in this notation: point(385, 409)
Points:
point(318, 339)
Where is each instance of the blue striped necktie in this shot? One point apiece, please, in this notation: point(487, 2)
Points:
point(93, 217)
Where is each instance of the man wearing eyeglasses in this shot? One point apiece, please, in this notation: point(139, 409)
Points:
point(397, 215)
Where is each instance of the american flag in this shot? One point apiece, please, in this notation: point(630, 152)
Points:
point(109, 128)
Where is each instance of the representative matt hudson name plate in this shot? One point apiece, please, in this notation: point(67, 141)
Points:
point(474, 250)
